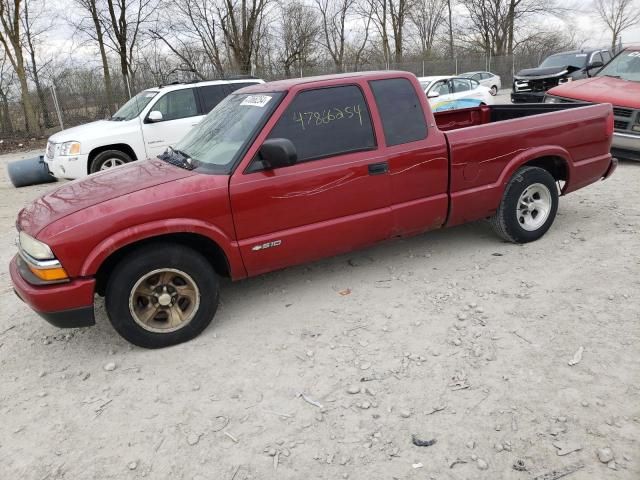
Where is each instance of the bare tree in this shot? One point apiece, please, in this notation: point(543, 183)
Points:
point(618, 16)
point(380, 16)
point(398, 12)
point(92, 27)
point(333, 16)
point(6, 81)
point(240, 21)
point(450, 27)
point(299, 32)
point(33, 31)
point(191, 29)
point(11, 12)
point(126, 19)
point(427, 16)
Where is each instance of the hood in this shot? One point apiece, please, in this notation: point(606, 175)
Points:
point(533, 73)
point(94, 189)
point(622, 93)
point(91, 131)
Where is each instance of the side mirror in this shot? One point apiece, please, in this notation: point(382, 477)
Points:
point(278, 152)
point(433, 94)
point(593, 65)
point(155, 116)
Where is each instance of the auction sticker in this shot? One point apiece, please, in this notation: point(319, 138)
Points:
point(256, 100)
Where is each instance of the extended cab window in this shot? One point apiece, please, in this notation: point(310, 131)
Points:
point(177, 104)
point(211, 95)
point(400, 110)
point(326, 122)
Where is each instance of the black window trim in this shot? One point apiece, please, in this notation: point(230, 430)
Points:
point(195, 97)
point(251, 169)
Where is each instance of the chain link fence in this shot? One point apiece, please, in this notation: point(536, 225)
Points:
point(81, 98)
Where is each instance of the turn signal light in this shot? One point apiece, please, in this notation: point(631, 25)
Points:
point(610, 124)
point(49, 274)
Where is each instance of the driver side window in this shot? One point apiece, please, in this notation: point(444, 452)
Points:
point(442, 87)
point(177, 104)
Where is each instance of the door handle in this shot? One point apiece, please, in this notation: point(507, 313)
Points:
point(378, 168)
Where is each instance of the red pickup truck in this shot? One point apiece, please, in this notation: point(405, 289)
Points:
point(290, 172)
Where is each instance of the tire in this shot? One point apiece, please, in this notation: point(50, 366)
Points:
point(32, 171)
point(494, 90)
point(134, 292)
point(108, 159)
point(530, 190)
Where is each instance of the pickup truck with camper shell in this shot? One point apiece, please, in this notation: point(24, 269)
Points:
point(142, 128)
point(530, 85)
point(289, 172)
point(617, 83)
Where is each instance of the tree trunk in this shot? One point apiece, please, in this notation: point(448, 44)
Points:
point(109, 101)
point(7, 126)
point(450, 30)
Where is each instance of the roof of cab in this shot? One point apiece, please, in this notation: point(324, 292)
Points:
point(282, 85)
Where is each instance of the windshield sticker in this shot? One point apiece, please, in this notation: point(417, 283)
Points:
point(634, 54)
point(256, 100)
point(150, 94)
point(581, 55)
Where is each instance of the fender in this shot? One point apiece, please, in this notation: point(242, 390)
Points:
point(163, 227)
point(534, 154)
point(482, 201)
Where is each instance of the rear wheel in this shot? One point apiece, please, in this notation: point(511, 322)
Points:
point(162, 295)
point(528, 206)
point(108, 159)
point(494, 90)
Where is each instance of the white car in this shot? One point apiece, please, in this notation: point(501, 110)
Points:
point(488, 79)
point(450, 93)
point(143, 128)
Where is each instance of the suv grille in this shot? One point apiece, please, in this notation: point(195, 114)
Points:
point(620, 125)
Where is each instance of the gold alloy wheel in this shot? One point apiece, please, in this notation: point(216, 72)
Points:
point(164, 300)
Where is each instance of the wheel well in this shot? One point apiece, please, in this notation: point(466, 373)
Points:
point(123, 147)
point(203, 245)
point(556, 166)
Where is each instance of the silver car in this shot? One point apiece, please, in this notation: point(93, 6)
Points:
point(488, 79)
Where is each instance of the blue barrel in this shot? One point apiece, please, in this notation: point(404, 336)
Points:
point(31, 171)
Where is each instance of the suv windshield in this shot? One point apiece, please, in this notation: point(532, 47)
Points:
point(578, 60)
point(626, 66)
point(221, 137)
point(134, 106)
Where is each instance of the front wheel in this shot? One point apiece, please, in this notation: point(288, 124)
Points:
point(162, 295)
point(108, 159)
point(528, 206)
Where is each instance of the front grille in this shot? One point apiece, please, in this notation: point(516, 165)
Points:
point(620, 125)
point(622, 112)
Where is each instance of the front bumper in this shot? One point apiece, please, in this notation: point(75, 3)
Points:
point(64, 305)
point(527, 97)
point(70, 167)
point(626, 146)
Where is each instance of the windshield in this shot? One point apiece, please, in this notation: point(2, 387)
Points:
point(578, 60)
point(626, 66)
point(134, 106)
point(424, 84)
point(226, 131)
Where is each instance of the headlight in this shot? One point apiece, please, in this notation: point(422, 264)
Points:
point(565, 80)
point(35, 248)
point(70, 148)
point(548, 99)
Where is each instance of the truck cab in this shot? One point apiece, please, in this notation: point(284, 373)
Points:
point(142, 128)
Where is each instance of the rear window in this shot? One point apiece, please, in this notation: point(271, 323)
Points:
point(326, 122)
point(400, 110)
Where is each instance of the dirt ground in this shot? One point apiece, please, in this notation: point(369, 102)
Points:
point(325, 371)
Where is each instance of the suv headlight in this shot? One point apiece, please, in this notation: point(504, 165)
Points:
point(70, 148)
point(548, 99)
point(565, 80)
point(35, 248)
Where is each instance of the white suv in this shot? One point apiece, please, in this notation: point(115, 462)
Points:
point(143, 128)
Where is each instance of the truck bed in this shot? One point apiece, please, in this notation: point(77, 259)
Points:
point(487, 143)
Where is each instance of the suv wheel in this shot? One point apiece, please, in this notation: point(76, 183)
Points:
point(162, 295)
point(108, 159)
point(528, 206)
